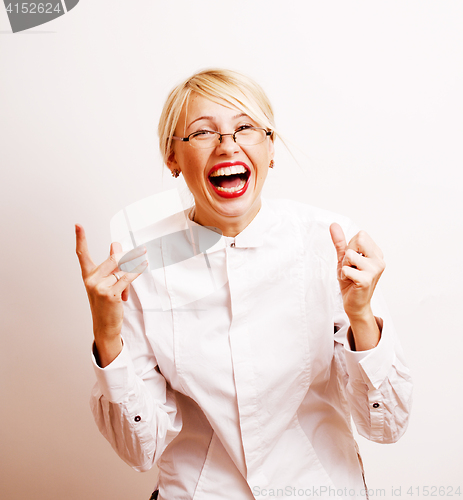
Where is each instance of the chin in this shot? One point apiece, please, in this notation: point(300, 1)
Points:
point(236, 207)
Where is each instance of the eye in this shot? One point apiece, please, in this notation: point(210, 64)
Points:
point(244, 127)
point(202, 134)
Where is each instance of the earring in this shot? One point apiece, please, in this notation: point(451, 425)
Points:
point(272, 164)
point(175, 173)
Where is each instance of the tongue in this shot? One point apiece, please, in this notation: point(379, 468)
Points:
point(229, 181)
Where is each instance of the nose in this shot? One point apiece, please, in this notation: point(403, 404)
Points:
point(227, 145)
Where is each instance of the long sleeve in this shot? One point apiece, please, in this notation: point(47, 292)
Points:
point(377, 382)
point(267, 392)
point(132, 404)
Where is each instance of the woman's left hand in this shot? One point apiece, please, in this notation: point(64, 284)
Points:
point(360, 265)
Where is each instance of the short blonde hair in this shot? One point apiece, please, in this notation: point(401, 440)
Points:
point(217, 85)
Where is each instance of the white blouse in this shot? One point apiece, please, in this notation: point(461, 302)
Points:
point(236, 377)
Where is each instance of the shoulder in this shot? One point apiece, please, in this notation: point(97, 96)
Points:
point(308, 217)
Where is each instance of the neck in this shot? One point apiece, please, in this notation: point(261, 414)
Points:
point(229, 225)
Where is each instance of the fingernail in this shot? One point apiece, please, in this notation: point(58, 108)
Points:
point(143, 266)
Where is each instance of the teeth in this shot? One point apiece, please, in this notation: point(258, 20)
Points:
point(234, 169)
point(232, 190)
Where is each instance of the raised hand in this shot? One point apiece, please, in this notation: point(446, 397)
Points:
point(360, 265)
point(107, 287)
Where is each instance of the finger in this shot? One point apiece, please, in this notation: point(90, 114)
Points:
point(116, 247)
point(363, 243)
point(352, 274)
point(116, 250)
point(355, 260)
point(124, 261)
point(113, 278)
point(127, 278)
point(85, 261)
point(371, 268)
point(339, 240)
point(125, 294)
point(130, 260)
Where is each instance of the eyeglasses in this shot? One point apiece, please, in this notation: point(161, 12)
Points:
point(244, 136)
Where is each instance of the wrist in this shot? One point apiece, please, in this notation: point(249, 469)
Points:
point(106, 350)
point(364, 332)
point(363, 315)
point(105, 332)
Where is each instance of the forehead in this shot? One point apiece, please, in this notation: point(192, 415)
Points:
point(199, 106)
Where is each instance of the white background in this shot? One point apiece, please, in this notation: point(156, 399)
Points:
point(370, 96)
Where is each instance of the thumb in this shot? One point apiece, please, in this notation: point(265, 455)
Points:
point(339, 240)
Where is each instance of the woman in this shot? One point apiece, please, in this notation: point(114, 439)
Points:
point(246, 392)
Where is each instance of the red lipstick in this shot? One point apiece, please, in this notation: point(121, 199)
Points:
point(230, 193)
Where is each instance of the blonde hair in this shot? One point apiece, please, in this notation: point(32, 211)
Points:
point(217, 85)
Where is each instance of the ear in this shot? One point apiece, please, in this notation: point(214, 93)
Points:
point(172, 161)
point(271, 148)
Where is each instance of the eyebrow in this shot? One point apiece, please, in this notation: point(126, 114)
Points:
point(212, 118)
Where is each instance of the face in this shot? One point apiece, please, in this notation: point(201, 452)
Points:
point(221, 200)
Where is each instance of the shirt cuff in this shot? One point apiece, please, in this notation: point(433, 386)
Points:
point(117, 379)
point(372, 366)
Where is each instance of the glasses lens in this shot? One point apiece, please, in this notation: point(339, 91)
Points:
point(204, 139)
point(250, 136)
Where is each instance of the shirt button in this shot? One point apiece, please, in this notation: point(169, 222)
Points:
point(137, 418)
point(375, 405)
point(232, 245)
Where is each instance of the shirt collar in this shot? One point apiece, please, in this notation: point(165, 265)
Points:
point(251, 236)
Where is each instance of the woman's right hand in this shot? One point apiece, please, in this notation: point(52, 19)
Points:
point(106, 293)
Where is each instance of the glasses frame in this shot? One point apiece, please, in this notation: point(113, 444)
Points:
point(268, 133)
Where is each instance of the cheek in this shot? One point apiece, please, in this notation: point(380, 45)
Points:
point(193, 168)
point(263, 174)
point(264, 161)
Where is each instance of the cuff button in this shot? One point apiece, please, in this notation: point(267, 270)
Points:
point(375, 405)
point(137, 418)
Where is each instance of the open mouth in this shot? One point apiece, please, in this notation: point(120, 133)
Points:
point(230, 179)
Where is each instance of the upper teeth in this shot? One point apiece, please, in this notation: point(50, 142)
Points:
point(234, 169)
